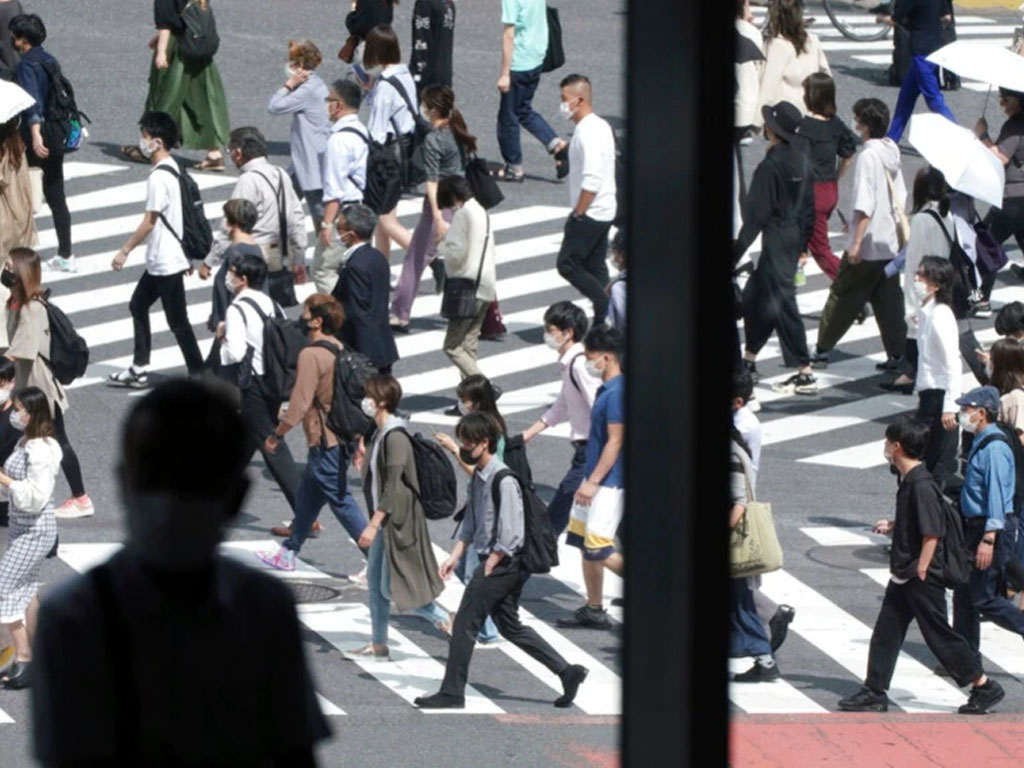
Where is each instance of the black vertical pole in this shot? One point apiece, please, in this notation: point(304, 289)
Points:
point(678, 367)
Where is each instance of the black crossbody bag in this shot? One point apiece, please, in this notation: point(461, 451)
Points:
point(460, 292)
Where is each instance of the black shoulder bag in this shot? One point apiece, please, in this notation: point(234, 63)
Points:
point(460, 292)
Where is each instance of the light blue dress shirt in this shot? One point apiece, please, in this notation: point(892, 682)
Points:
point(310, 128)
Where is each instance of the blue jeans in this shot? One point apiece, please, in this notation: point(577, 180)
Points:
point(378, 576)
point(324, 482)
point(561, 503)
point(747, 636)
point(922, 80)
point(488, 632)
point(515, 109)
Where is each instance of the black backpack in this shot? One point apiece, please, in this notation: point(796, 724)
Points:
point(196, 237)
point(69, 354)
point(412, 158)
point(282, 343)
point(516, 460)
point(539, 553)
point(199, 41)
point(555, 55)
point(438, 492)
point(345, 417)
point(62, 126)
point(1007, 434)
point(383, 187)
point(957, 560)
point(964, 281)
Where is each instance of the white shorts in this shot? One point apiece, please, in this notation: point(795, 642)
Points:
point(593, 528)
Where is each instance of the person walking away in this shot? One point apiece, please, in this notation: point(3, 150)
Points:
point(600, 500)
point(780, 208)
point(241, 337)
point(390, 98)
point(344, 175)
point(1009, 149)
point(469, 254)
point(189, 90)
point(878, 189)
point(302, 96)
point(565, 326)
point(915, 591)
point(524, 44)
point(922, 19)
point(401, 566)
point(166, 263)
point(28, 34)
point(444, 154)
point(433, 41)
point(26, 483)
point(616, 290)
point(363, 289)
point(17, 225)
point(581, 259)
point(323, 481)
point(138, 679)
point(829, 139)
point(9, 55)
point(792, 54)
point(497, 583)
point(28, 328)
point(240, 217)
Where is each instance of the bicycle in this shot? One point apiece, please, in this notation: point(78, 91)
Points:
point(850, 17)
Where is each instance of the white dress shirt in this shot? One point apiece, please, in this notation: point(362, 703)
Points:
point(386, 103)
point(164, 255)
point(592, 166)
point(240, 332)
point(926, 239)
point(938, 344)
point(572, 403)
point(344, 170)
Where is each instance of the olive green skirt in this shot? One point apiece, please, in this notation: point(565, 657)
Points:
point(193, 94)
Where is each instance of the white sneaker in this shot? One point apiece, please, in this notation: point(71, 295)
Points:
point(359, 579)
point(60, 264)
point(75, 508)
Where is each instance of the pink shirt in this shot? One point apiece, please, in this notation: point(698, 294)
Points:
point(576, 397)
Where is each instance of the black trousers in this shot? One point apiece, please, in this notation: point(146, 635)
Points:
point(1003, 222)
point(170, 290)
point(496, 595)
point(940, 450)
point(69, 459)
point(769, 304)
point(925, 603)
point(581, 260)
point(53, 191)
point(259, 412)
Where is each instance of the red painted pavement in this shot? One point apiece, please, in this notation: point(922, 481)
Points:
point(877, 741)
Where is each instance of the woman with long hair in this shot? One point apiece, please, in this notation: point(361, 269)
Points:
point(27, 482)
point(17, 227)
point(791, 55)
point(1006, 361)
point(28, 326)
point(444, 154)
point(189, 90)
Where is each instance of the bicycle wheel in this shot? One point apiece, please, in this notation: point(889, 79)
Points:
point(851, 18)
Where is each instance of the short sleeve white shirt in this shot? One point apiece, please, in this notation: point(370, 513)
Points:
point(164, 255)
point(243, 328)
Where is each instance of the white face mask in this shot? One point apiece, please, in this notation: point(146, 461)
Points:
point(369, 407)
point(463, 408)
point(921, 290)
point(593, 370)
point(289, 71)
point(5, 395)
point(965, 422)
point(887, 453)
point(232, 283)
point(565, 110)
point(425, 113)
point(374, 72)
point(552, 341)
point(147, 147)
point(18, 421)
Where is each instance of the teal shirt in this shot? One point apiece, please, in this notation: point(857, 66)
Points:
point(530, 18)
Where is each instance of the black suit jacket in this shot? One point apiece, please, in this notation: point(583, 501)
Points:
point(363, 288)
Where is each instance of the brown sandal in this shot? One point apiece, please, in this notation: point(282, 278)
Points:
point(211, 164)
point(133, 153)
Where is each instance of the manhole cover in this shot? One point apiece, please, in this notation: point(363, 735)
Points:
point(308, 592)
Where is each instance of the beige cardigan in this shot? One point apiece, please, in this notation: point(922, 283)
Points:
point(463, 246)
point(785, 72)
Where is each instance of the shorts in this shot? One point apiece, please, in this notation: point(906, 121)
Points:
point(593, 528)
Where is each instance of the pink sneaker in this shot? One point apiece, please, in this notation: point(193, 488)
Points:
point(283, 559)
point(74, 508)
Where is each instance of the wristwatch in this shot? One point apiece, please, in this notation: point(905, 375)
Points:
point(990, 542)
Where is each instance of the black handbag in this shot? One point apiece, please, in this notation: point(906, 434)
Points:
point(281, 287)
point(485, 188)
point(459, 298)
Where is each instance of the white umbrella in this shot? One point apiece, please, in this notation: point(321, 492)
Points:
point(987, 62)
point(968, 165)
point(13, 100)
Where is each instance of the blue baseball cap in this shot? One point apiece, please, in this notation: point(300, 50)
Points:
point(981, 397)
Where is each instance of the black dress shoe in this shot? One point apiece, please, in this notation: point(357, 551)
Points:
point(572, 677)
point(891, 364)
point(440, 701)
point(19, 676)
point(453, 411)
point(779, 626)
point(903, 389)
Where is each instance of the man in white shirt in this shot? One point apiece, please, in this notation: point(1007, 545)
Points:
point(581, 259)
point(164, 277)
point(344, 171)
point(241, 336)
point(565, 325)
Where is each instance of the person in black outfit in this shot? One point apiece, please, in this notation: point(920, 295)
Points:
point(364, 288)
point(9, 436)
point(367, 14)
point(171, 638)
point(780, 207)
point(916, 591)
point(433, 40)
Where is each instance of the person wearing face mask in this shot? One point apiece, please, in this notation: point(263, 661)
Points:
point(401, 566)
point(239, 219)
point(433, 41)
point(938, 381)
point(324, 480)
point(987, 506)
point(600, 500)
point(915, 591)
point(581, 259)
point(363, 289)
point(495, 524)
point(565, 325)
point(27, 483)
point(169, 632)
point(1006, 367)
point(344, 168)
point(17, 222)
point(469, 255)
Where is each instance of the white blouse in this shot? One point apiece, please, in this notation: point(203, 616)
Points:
point(32, 495)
